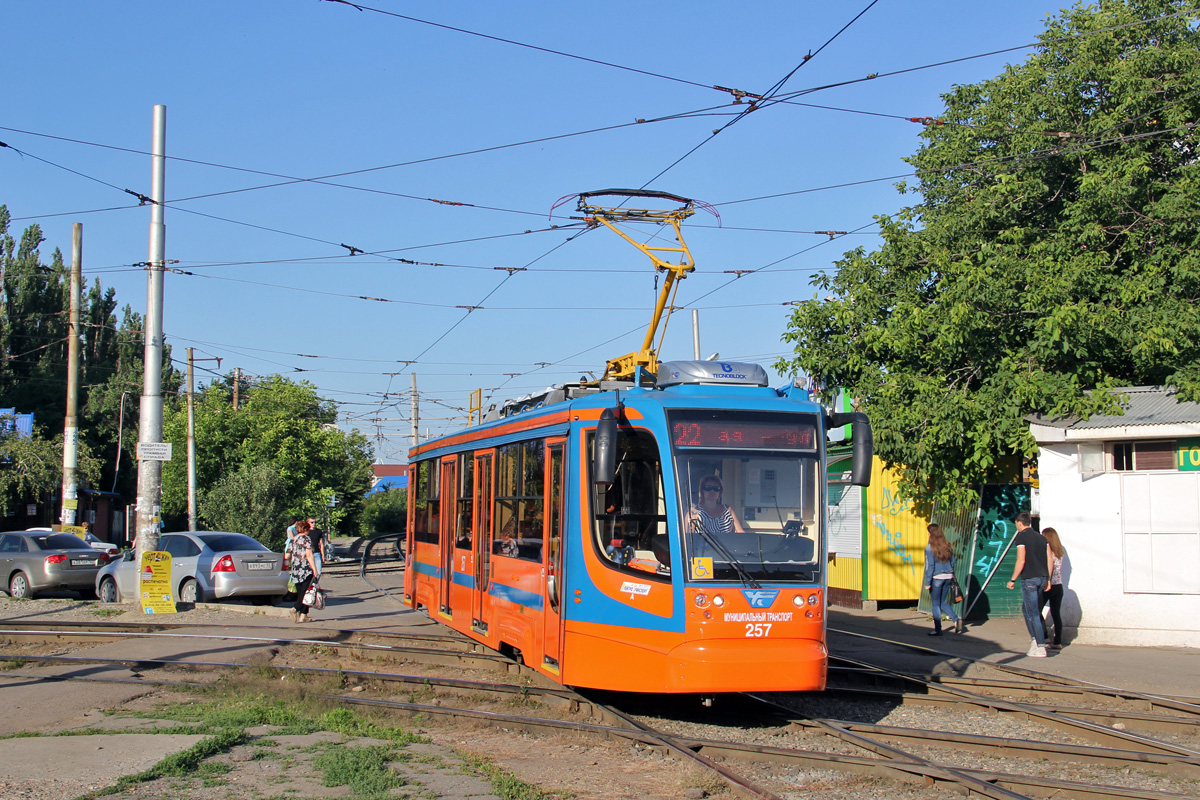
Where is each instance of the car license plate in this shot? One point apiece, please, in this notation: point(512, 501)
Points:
point(82, 562)
point(259, 565)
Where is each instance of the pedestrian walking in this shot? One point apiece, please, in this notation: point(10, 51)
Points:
point(1054, 593)
point(305, 571)
point(1033, 571)
point(939, 573)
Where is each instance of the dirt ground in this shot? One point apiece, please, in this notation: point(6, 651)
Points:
point(106, 747)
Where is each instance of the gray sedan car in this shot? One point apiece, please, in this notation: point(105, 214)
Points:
point(205, 566)
point(39, 561)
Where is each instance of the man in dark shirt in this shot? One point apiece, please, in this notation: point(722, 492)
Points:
point(1033, 570)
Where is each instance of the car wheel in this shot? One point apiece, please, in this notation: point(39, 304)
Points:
point(188, 591)
point(18, 587)
point(108, 590)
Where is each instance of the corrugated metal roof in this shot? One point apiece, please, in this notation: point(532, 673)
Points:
point(1144, 405)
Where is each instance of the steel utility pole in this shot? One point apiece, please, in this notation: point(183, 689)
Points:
point(695, 334)
point(149, 503)
point(70, 488)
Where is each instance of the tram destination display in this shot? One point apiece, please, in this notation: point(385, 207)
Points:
point(747, 434)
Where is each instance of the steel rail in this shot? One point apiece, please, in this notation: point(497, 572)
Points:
point(947, 774)
point(895, 770)
point(362, 570)
point(1180, 705)
point(426, 655)
point(1061, 721)
point(1186, 705)
point(994, 745)
point(939, 696)
point(636, 731)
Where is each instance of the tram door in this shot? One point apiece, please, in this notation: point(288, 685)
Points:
point(447, 502)
point(552, 569)
point(483, 542)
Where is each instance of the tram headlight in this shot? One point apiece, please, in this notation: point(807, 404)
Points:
point(701, 600)
point(718, 600)
point(798, 601)
point(814, 598)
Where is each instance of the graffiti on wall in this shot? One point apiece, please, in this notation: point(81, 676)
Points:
point(890, 506)
point(997, 507)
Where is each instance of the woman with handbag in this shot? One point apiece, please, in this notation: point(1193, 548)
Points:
point(304, 569)
point(939, 574)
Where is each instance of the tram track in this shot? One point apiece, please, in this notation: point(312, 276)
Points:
point(882, 744)
point(888, 762)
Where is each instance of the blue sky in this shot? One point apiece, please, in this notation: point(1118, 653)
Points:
point(407, 114)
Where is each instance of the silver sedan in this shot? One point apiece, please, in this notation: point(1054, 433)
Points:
point(205, 566)
point(39, 561)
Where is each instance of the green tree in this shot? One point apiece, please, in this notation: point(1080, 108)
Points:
point(384, 512)
point(31, 469)
point(1054, 251)
point(250, 501)
point(278, 423)
point(33, 325)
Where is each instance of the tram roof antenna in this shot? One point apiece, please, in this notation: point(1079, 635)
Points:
point(625, 367)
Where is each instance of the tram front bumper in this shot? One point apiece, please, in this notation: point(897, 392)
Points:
point(740, 665)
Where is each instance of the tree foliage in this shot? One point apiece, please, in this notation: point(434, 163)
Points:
point(31, 469)
point(1053, 252)
point(385, 512)
point(250, 500)
point(34, 336)
point(281, 425)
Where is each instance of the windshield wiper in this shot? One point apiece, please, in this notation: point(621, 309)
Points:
point(715, 544)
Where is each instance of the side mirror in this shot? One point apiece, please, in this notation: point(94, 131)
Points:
point(863, 446)
point(604, 458)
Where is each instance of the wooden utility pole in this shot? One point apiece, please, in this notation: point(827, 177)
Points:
point(70, 487)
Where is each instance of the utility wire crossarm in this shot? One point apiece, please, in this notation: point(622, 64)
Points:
point(624, 367)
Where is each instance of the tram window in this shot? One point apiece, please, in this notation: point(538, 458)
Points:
point(466, 485)
point(425, 503)
point(750, 514)
point(520, 477)
point(629, 515)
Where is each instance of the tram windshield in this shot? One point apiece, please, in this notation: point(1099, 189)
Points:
point(750, 491)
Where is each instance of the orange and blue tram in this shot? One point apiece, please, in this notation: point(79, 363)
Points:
point(660, 535)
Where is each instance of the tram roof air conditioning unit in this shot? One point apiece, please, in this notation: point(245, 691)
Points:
point(725, 373)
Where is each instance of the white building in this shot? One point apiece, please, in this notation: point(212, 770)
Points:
point(1123, 492)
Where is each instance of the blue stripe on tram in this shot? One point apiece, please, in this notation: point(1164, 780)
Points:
point(514, 595)
point(432, 570)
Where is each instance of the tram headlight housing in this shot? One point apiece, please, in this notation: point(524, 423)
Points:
point(718, 600)
point(701, 600)
point(814, 598)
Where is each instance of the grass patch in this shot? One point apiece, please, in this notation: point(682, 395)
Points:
point(13, 663)
point(187, 764)
point(505, 784)
point(364, 770)
point(106, 612)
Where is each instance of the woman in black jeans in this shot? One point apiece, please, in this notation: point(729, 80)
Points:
point(1054, 592)
point(303, 567)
